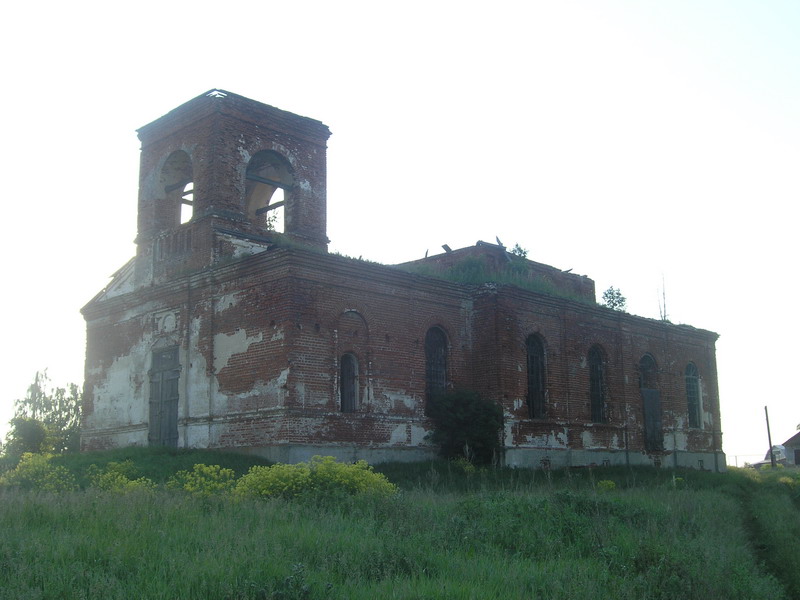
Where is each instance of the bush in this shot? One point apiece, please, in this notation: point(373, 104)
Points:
point(35, 472)
point(466, 425)
point(606, 485)
point(321, 475)
point(327, 475)
point(203, 480)
point(119, 477)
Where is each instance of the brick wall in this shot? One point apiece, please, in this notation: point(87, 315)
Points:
point(261, 321)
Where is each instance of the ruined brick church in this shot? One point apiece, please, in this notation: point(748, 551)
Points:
point(233, 327)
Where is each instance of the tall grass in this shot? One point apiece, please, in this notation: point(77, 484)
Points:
point(451, 533)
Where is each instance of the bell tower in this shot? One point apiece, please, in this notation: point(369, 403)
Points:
point(222, 176)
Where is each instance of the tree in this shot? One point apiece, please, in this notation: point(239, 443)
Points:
point(46, 419)
point(466, 425)
point(26, 435)
point(518, 250)
point(613, 299)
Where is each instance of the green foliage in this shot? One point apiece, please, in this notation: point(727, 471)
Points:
point(466, 425)
point(157, 463)
point(26, 435)
point(775, 526)
point(518, 250)
point(330, 477)
point(271, 221)
point(554, 538)
point(56, 411)
point(203, 480)
point(321, 476)
point(281, 481)
point(613, 299)
point(36, 472)
point(120, 477)
point(457, 531)
point(294, 586)
point(606, 485)
point(476, 271)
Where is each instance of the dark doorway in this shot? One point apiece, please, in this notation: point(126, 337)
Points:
point(164, 376)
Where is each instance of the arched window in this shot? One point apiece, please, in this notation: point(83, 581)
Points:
point(178, 188)
point(269, 183)
point(597, 384)
point(536, 377)
point(435, 363)
point(348, 382)
point(693, 395)
point(651, 404)
point(647, 373)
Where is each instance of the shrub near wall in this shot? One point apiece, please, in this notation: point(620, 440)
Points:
point(203, 480)
point(466, 426)
point(322, 475)
point(35, 472)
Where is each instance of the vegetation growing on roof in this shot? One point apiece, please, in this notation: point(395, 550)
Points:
point(477, 271)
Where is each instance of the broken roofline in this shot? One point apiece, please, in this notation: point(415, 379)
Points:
point(491, 263)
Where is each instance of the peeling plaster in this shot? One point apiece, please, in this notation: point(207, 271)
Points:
point(115, 401)
point(551, 440)
point(198, 388)
point(225, 346)
point(226, 301)
point(245, 247)
point(272, 393)
point(399, 435)
point(418, 435)
point(508, 434)
point(397, 398)
point(681, 440)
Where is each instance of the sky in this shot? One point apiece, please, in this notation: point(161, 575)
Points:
point(653, 146)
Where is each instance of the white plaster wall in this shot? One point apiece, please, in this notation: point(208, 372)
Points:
point(226, 345)
point(119, 400)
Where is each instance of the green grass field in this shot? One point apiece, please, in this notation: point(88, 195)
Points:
point(451, 532)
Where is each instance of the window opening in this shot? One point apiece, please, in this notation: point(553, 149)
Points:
point(187, 203)
point(647, 372)
point(597, 385)
point(273, 214)
point(536, 377)
point(693, 395)
point(269, 182)
point(178, 202)
point(651, 404)
point(435, 363)
point(348, 382)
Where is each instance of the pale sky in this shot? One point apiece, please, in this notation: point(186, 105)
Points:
point(629, 141)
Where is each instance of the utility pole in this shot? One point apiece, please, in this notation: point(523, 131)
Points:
point(769, 437)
